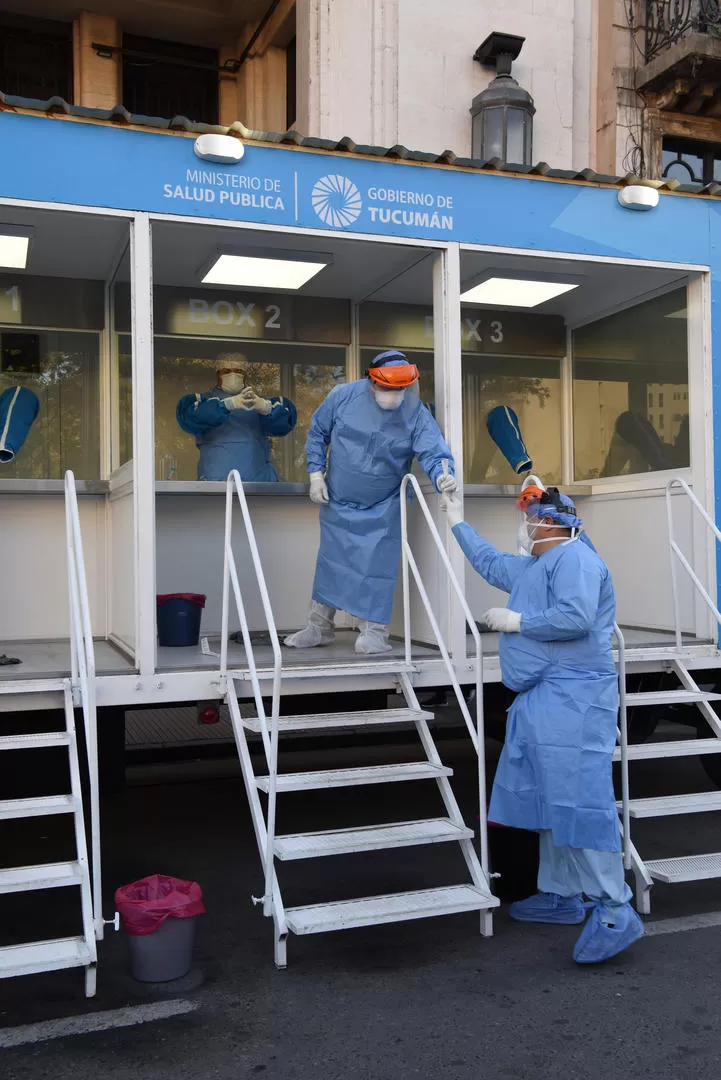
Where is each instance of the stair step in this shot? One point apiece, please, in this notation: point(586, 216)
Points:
point(325, 721)
point(373, 774)
point(46, 876)
point(685, 868)
point(396, 907)
point(38, 956)
point(38, 807)
point(700, 802)
point(34, 742)
point(669, 697)
point(333, 671)
point(370, 838)
point(678, 748)
point(31, 686)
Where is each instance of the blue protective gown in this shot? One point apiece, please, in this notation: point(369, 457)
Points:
point(237, 439)
point(18, 409)
point(371, 450)
point(555, 769)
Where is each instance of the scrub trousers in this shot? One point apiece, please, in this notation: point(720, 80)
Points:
point(568, 871)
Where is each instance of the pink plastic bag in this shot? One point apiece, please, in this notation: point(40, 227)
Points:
point(147, 903)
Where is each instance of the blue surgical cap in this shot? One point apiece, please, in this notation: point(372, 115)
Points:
point(568, 520)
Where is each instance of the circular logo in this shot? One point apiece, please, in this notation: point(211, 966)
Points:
point(336, 201)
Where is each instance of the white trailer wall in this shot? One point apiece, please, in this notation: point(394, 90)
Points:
point(34, 565)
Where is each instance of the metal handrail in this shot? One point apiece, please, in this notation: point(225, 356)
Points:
point(623, 713)
point(82, 669)
point(270, 738)
point(477, 731)
point(674, 549)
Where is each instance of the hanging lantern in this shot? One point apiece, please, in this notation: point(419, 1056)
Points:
point(502, 115)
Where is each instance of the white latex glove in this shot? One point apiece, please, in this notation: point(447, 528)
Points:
point(501, 618)
point(454, 508)
point(318, 489)
point(250, 401)
point(446, 483)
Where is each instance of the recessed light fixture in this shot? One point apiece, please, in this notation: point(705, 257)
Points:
point(263, 270)
point(515, 292)
point(14, 247)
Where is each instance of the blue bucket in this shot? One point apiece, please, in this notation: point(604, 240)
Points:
point(179, 617)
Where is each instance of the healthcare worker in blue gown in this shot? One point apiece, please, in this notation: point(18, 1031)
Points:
point(554, 775)
point(374, 428)
point(233, 424)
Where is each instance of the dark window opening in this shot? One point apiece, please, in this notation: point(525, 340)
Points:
point(36, 58)
point(290, 85)
point(168, 78)
point(691, 162)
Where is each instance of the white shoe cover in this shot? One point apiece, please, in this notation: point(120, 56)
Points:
point(373, 638)
point(319, 630)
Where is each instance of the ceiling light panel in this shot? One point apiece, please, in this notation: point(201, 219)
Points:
point(250, 271)
point(13, 250)
point(515, 292)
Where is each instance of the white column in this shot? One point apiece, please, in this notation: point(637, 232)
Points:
point(348, 69)
point(449, 413)
point(700, 385)
point(141, 286)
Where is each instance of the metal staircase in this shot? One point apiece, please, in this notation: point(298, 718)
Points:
point(80, 951)
point(683, 868)
point(475, 894)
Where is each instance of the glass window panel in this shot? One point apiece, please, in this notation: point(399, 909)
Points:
point(305, 374)
point(125, 399)
point(532, 388)
point(493, 134)
point(515, 136)
point(626, 370)
point(61, 368)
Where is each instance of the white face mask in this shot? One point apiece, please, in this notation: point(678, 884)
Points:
point(232, 382)
point(389, 399)
point(528, 535)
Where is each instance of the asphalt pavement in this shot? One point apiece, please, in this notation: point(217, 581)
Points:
point(428, 999)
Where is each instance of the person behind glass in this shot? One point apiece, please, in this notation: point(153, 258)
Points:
point(233, 424)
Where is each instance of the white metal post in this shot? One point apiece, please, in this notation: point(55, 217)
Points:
point(141, 293)
point(700, 380)
point(449, 413)
point(567, 448)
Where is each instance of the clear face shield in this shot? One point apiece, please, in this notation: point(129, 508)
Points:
point(389, 399)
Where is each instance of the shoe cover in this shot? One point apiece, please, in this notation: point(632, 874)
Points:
point(549, 908)
point(373, 638)
point(319, 630)
point(600, 942)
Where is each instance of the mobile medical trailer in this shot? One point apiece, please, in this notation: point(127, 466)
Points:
point(108, 320)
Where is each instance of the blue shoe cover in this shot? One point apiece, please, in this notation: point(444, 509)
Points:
point(549, 908)
point(599, 942)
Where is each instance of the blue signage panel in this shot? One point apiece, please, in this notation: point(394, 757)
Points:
point(102, 166)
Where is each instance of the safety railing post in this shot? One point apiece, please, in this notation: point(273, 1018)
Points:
point(270, 739)
point(225, 614)
point(405, 579)
point(674, 579)
point(623, 713)
point(675, 550)
point(82, 650)
point(476, 730)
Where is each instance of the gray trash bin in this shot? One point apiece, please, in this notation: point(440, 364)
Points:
point(158, 914)
point(165, 954)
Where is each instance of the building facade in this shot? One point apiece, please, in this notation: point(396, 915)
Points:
point(618, 85)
